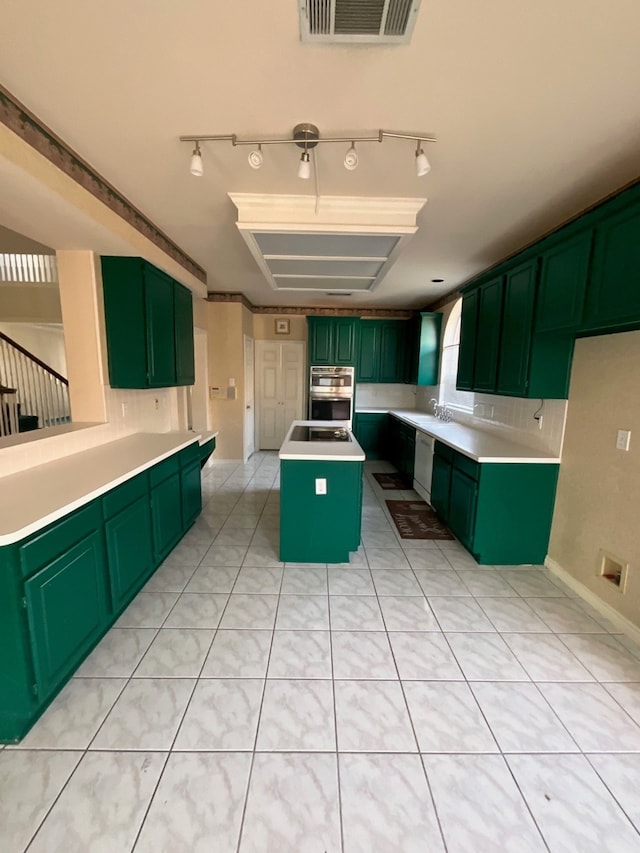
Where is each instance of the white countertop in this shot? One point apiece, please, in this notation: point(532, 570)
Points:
point(322, 451)
point(478, 444)
point(32, 499)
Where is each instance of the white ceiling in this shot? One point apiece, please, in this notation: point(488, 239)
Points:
point(535, 107)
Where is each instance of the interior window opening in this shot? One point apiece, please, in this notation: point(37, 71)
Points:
point(448, 394)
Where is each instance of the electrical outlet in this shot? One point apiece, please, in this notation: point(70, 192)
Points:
point(156, 404)
point(623, 439)
point(540, 418)
point(321, 486)
point(124, 409)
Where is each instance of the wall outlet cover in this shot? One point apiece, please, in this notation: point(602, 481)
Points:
point(623, 439)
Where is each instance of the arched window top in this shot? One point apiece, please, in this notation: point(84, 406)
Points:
point(448, 393)
point(452, 329)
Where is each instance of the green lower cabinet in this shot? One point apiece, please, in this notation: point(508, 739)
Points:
point(370, 429)
point(501, 512)
point(191, 494)
point(321, 528)
point(129, 551)
point(166, 516)
point(67, 612)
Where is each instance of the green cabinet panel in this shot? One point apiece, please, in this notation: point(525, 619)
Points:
point(564, 271)
point(119, 498)
point(160, 325)
point(468, 336)
point(488, 335)
point(516, 329)
point(441, 485)
point(57, 538)
point(191, 493)
point(370, 429)
point(428, 346)
point(462, 506)
point(392, 362)
point(332, 340)
point(319, 528)
point(401, 446)
point(66, 609)
point(183, 314)
point(613, 298)
point(149, 325)
point(166, 515)
point(367, 363)
point(129, 551)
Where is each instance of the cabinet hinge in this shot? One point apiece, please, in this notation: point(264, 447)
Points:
point(24, 603)
point(35, 688)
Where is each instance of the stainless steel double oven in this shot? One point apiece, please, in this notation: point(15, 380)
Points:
point(331, 394)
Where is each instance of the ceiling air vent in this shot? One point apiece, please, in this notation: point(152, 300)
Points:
point(357, 21)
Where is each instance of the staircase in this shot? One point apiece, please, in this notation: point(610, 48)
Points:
point(32, 394)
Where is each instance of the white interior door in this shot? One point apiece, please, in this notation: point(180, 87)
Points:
point(249, 403)
point(279, 390)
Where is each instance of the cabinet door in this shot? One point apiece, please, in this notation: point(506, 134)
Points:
point(125, 321)
point(462, 506)
point(488, 335)
point(66, 608)
point(320, 340)
point(563, 280)
point(166, 516)
point(613, 300)
point(410, 453)
point(429, 348)
point(468, 336)
point(441, 486)
point(191, 494)
point(391, 352)
point(129, 551)
point(183, 310)
point(517, 327)
point(161, 348)
point(367, 367)
point(344, 340)
point(370, 431)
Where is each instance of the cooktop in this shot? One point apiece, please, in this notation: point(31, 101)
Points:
point(307, 433)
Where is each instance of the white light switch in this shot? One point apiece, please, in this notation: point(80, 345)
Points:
point(623, 440)
point(321, 486)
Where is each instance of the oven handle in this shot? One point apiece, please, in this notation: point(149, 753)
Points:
point(331, 399)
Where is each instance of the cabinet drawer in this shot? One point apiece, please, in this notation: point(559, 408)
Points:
point(125, 494)
point(164, 469)
point(189, 454)
point(58, 538)
point(444, 451)
point(467, 466)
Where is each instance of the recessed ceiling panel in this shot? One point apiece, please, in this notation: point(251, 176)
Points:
point(309, 266)
point(324, 284)
point(326, 245)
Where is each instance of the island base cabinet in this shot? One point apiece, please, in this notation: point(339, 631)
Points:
point(319, 528)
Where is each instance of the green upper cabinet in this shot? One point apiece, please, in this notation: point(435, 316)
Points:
point(516, 329)
point(183, 313)
point(468, 336)
point(613, 298)
point(149, 325)
point(564, 271)
point(332, 340)
point(488, 334)
point(160, 328)
point(428, 347)
point(392, 364)
point(384, 351)
point(368, 352)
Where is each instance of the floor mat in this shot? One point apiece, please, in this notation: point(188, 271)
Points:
point(394, 481)
point(416, 520)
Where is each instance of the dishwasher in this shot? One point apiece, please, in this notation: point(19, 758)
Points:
point(423, 467)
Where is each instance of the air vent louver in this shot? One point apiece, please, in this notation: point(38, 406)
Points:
point(358, 21)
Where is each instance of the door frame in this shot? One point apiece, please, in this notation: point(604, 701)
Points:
point(249, 419)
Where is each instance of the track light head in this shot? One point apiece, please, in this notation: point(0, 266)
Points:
point(197, 166)
point(423, 167)
point(255, 158)
point(351, 158)
point(304, 169)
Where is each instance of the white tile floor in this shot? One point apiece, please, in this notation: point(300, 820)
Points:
point(412, 701)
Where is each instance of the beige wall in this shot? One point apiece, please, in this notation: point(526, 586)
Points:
point(30, 303)
point(226, 324)
point(599, 487)
point(264, 326)
point(44, 340)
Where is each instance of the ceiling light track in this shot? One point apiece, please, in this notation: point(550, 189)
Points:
point(307, 136)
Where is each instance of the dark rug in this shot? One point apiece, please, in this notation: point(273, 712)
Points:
point(394, 481)
point(416, 520)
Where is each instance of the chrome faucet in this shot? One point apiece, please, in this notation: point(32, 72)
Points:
point(435, 405)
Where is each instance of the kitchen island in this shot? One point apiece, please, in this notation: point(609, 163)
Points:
point(320, 493)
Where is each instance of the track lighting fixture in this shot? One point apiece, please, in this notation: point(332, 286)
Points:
point(197, 166)
point(423, 167)
point(304, 169)
point(351, 158)
point(307, 136)
point(255, 158)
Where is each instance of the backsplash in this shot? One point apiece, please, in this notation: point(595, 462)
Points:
point(386, 396)
point(511, 416)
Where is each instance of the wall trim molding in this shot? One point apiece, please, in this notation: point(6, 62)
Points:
point(282, 310)
point(590, 597)
point(26, 125)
